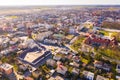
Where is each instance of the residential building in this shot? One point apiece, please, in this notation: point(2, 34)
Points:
point(61, 68)
point(88, 75)
point(101, 78)
point(118, 68)
point(101, 65)
point(6, 68)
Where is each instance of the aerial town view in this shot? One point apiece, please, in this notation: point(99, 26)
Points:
point(60, 42)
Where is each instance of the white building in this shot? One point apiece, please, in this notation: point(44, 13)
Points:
point(88, 75)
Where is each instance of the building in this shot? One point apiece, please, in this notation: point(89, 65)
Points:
point(29, 31)
point(118, 68)
point(6, 68)
point(8, 71)
point(41, 36)
point(51, 62)
point(61, 68)
point(72, 30)
point(75, 71)
point(28, 78)
point(34, 56)
point(75, 64)
point(118, 77)
point(98, 64)
point(101, 65)
point(88, 75)
point(88, 24)
point(101, 78)
point(56, 78)
point(55, 57)
point(98, 41)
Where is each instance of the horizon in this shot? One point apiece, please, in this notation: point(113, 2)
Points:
point(58, 2)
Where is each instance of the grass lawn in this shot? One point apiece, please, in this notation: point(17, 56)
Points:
point(45, 69)
point(77, 44)
point(84, 60)
point(60, 55)
point(107, 33)
point(70, 69)
point(111, 53)
point(15, 66)
point(69, 37)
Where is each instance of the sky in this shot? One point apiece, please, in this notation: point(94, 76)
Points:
point(57, 2)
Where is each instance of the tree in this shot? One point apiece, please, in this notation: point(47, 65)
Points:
point(98, 56)
point(111, 25)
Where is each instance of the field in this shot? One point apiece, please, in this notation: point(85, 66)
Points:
point(77, 44)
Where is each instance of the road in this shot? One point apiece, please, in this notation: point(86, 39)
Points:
point(111, 30)
point(68, 46)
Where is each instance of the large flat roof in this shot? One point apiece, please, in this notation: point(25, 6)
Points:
point(31, 56)
point(34, 56)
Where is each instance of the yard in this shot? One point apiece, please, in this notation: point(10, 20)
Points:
point(111, 34)
point(69, 37)
point(108, 33)
point(77, 44)
point(110, 53)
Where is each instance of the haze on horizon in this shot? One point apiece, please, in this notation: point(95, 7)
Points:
point(58, 2)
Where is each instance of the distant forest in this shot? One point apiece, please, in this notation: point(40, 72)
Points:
point(111, 25)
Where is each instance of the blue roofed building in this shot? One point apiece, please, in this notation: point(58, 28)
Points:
point(35, 56)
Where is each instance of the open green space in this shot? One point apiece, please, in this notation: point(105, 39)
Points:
point(77, 44)
point(110, 53)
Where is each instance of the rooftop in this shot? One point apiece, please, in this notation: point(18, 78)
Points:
point(31, 56)
point(6, 66)
point(88, 75)
point(101, 78)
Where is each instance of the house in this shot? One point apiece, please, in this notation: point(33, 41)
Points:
point(69, 56)
point(8, 71)
point(23, 67)
point(51, 78)
point(76, 58)
point(51, 62)
point(58, 36)
point(88, 75)
point(61, 68)
point(101, 78)
point(43, 35)
point(75, 71)
point(106, 67)
point(0, 62)
point(56, 57)
point(118, 68)
point(72, 30)
point(118, 77)
point(52, 71)
point(6, 68)
point(75, 64)
point(56, 78)
point(88, 24)
point(98, 41)
point(13, 41)
point(36, 73)
point(22, 46)
point(4, 52)
point(98, 64)
point(101, 65)
point(28, 78)
point(49, 41)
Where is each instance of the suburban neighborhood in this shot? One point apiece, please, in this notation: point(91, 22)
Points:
point(60, 43)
